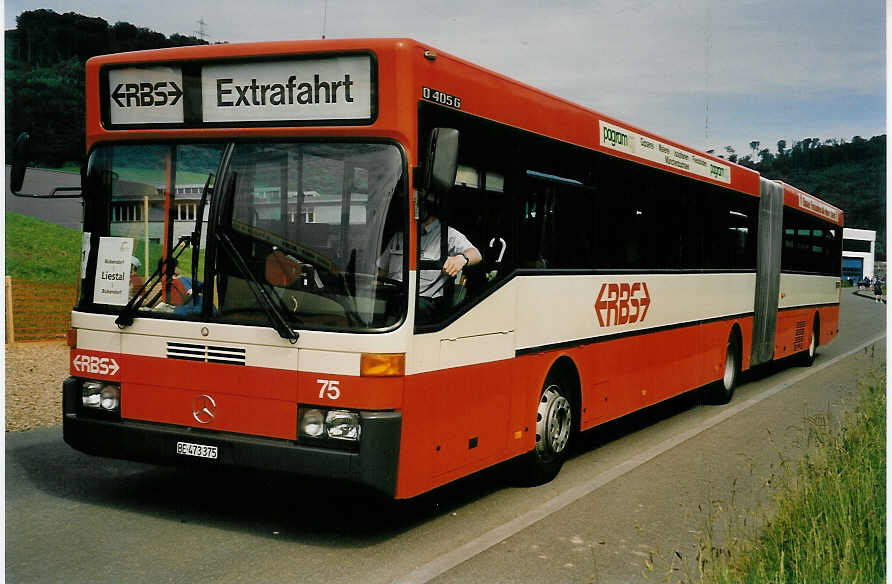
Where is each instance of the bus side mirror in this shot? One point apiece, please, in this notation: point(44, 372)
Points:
point(441, 162)
point(20, 154)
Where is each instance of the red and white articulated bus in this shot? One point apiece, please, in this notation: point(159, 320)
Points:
point(238, 200)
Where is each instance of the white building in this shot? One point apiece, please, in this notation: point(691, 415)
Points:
point(858, 249)
point(130, 209)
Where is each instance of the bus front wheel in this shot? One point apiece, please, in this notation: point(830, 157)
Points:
point(554, 431)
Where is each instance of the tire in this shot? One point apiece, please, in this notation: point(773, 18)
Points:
point(554, 433)
point(808, 356)
point(722, 391)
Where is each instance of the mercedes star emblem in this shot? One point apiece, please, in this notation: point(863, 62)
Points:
point(204, 409)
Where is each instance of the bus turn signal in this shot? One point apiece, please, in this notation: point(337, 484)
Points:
point(382, 364)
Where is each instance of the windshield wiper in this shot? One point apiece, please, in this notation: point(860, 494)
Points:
point(165, 267)
point(196, 235)
point(260, 292)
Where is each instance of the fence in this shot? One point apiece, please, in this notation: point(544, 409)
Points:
point(38, 310)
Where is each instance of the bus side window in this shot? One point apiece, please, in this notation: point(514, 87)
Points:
point(497, 227)
point(574, 216)
point(537, 228)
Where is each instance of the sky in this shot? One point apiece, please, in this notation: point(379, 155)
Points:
point(706, 73)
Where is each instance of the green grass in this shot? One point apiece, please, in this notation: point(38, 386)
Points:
point(70, 167)
point(184, 263)
point(146, 175)
point(44, 252)
point(41, 251)
point(830, 518)
point(141, 175)
point(153, 176)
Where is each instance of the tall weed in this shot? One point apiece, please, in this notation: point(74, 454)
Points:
point(829, 516)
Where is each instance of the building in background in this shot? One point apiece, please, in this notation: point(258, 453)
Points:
point(858, 249)
point(131, 205)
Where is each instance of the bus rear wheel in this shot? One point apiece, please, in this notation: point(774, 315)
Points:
point(722, 391)
point(808, 357)
point(554, 432)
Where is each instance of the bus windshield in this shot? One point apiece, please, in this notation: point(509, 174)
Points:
point(296, 231)
point(309, 220)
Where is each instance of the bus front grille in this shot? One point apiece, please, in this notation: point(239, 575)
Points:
point(206, 354)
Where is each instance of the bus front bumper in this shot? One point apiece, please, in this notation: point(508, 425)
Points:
point(374, 464)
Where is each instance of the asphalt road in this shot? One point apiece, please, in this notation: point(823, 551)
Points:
point(627, 507)
point(64, 212)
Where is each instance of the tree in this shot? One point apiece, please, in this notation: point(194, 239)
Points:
point(850, 175)
point(754, 145)
point(50, 103)
point(45, 58)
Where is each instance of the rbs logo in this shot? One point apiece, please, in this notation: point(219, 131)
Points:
point(147, 94)
point(92, 364)
point(619, 304)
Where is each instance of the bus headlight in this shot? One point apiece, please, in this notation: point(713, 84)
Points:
point(323, 425)
point(110, 398)
point(91, 393)
point(312, 423)
point(100, 395)
point(342, 425)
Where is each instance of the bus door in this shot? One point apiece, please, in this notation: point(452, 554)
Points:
point(471, 333)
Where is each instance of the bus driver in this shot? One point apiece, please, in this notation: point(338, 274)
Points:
point(459, 250)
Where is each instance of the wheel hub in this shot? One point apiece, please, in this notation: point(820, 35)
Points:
point(730, 368)
point(553, 424)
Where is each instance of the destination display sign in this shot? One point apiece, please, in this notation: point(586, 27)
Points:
point(818, 207)
point(327, 89)
point(331, 88)
point(624, 140)
point(145, 95)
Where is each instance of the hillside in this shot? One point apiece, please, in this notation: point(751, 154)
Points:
point(850, 175)
point(44, 72)
point(858, 188)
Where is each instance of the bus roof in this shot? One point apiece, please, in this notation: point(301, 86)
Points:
point(401, 70)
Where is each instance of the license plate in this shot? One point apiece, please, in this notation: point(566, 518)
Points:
point(199, 450)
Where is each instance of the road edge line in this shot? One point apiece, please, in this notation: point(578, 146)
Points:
point(481, 543)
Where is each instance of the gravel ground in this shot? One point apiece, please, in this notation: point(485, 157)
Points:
point(34, 375)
